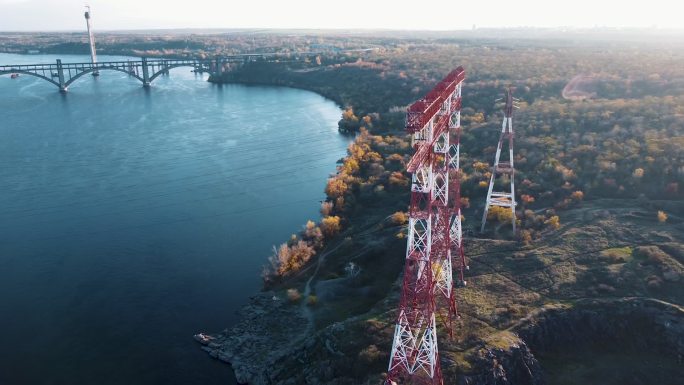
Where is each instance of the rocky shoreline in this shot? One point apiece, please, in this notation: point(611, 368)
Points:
point(271, 344)
point(268, 329)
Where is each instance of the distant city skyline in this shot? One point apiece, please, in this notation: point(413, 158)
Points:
point(66, 15)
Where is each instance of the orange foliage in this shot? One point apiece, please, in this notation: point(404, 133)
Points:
point(331, 226)
point(399, 218)
point(662, 217)
point(577, 195)
point(335, 188)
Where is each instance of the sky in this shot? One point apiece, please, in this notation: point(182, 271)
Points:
point(56, 15)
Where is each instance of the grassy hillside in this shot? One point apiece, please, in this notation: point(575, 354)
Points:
point(599, 182)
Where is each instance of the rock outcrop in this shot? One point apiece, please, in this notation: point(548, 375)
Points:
point(636, 323)
point(514, 365)
point(272, 346)
point(268, 330)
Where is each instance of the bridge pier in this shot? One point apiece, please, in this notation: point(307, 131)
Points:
point(216, 67)
point(166, 68)
point(146, 74)
point(60, 74)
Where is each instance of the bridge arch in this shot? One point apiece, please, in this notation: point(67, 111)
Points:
point(75, 77)
point(145, 70)
point(30, 74)
point(165, 69)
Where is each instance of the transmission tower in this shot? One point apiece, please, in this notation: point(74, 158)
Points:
point(503, 199)
point(91, 40)
point(434, 234)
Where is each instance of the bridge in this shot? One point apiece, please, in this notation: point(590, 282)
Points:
point(146, 70)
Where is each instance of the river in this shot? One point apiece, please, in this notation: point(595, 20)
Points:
point(131, 219)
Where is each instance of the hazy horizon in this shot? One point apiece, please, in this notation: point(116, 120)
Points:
point(431, 15)
point(210, 30)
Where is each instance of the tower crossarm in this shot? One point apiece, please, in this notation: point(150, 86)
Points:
point(430, 117)
point(504, 168)
point(418, 114)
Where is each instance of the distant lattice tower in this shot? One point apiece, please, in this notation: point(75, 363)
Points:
point(434, 234)
point(503, 199)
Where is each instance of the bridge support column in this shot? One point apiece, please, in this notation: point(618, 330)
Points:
point(217, 67)
point(60, 73)
point(146, 74)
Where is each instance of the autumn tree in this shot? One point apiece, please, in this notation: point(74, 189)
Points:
point(553, 222)
point(349, 121)
point(527, 199)
point(481, 166)
point(326, 208)
point(662, 217)
point(638, 173)
point(331, 226)
point(293, 295)
point(335, 188)
point(313, 234)
point(526, 236)
point(289, 258)
point(398, 179)
point(399, 218)
point(501, 214)
point(577, 196)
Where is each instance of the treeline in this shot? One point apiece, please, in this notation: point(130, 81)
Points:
point(369, 179)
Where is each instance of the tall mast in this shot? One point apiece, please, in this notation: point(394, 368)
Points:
point(434, 235)
point(91, 39)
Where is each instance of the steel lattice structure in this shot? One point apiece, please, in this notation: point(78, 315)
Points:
point(503, 199)
point(434, 233)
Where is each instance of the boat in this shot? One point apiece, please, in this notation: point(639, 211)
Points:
point(14, 76)
point(203, 338)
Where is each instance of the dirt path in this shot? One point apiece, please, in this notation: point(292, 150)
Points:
point(573, 90)
point(368, 230)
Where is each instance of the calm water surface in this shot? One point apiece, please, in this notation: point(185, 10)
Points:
point(131, 219)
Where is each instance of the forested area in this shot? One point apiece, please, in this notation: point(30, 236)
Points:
point(599, 155)
point(624, 140)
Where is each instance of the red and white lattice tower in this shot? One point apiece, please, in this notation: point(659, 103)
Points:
point(434, 233)
point(503, 199)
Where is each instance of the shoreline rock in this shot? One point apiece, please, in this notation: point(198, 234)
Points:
point(267, 331)
point(270, 345)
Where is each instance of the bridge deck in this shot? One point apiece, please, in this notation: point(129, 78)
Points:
point(63, 74)
point(119, 63)
point(143, 69)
